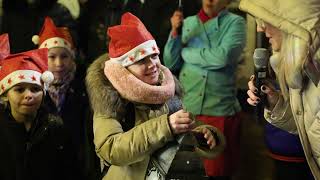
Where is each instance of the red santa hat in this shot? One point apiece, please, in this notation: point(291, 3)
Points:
point(27, 67)
point(4, 46)
point(51, 36)
point(130, 41)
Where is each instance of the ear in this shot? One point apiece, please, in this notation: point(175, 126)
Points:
point(4, 98)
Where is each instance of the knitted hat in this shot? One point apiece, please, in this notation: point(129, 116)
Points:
point(26, 67)
point(51, 36)
point(130, 41)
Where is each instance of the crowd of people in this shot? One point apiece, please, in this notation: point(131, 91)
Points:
point(128, 112)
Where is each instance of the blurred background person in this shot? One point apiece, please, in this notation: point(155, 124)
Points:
point(205, 56)
point(67, 96)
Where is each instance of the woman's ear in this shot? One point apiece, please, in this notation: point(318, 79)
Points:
point(4, 98)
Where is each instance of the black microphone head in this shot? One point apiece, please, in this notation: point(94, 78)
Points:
point(260, 57)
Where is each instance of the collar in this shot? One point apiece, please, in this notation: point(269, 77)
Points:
point(204, 17)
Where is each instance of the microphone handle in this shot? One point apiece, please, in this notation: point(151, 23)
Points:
point(259, 110)
point(179, 30)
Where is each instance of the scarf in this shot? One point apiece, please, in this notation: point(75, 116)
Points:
point(58, 89)
point(135, 90)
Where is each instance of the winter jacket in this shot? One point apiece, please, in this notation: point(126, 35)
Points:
point(44, 152)
point(77, 117)
point(207, 54)
point(301, 113)
point(126, 134)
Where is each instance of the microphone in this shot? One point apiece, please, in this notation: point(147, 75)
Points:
point(180, 8)
point(260, 59)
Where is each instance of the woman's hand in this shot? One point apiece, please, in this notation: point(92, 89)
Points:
point(176, 20)
point(181, 122)
point(267, 88)
point(207, 136)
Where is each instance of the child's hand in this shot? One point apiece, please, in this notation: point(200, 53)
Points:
point(181, 122)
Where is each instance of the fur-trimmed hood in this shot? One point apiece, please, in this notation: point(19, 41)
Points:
point(104, 98)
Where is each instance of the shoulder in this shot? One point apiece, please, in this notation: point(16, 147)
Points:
point(232, 17)
point(191, 19)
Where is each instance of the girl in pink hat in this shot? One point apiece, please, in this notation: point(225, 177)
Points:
point(139, 123)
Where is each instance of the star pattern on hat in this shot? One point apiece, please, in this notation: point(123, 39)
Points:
point(16, 78)
point(21, 76)
point(9, 81)
point(142, 52)
point(154, 48)
point(33, 78)
point(131, 58)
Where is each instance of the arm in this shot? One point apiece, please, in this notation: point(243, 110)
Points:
point(281, 116)
point(226, 53)
point(172, 53)
point(120, 148)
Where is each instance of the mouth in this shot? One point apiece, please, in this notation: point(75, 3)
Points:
point(28, 105)
point(153, 73)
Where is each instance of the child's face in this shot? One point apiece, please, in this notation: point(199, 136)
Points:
point(147, 69)
point(24, 99)
point(60, 62)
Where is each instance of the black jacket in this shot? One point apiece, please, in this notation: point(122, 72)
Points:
point(77, 118)
point(43, 152)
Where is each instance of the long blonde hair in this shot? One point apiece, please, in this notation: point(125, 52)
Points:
point(293, 54)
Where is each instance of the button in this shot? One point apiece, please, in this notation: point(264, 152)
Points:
point(203, 76)
point(299, 113)
point(183, 74)
point(200, 94)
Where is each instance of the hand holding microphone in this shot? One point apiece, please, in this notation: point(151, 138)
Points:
point(261, 92)
point(177, 20)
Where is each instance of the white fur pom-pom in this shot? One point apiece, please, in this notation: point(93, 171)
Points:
point(47, 77)
point(35, 39)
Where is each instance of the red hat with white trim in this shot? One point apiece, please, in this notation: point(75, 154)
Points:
point(130, 41)
point(27, 67)
point(51, 36)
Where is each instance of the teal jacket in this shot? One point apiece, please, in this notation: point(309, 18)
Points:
point(206, 56)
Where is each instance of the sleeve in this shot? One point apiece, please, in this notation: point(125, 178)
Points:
point(116, 147)
point(281, 116)
point(172, 53)
point(227, 52)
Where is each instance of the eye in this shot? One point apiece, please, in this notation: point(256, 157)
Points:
point(19, 89)
point(51, 57)
point(36, 89)
point(154, 57)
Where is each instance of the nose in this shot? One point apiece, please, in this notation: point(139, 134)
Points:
point(59, 62)
point(28, 95)
point(151, 63)
point(260, 29)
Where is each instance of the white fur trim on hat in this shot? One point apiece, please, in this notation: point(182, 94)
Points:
point(35, 39)
point(138, 53)
point(56, 42)
point(19, 76)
